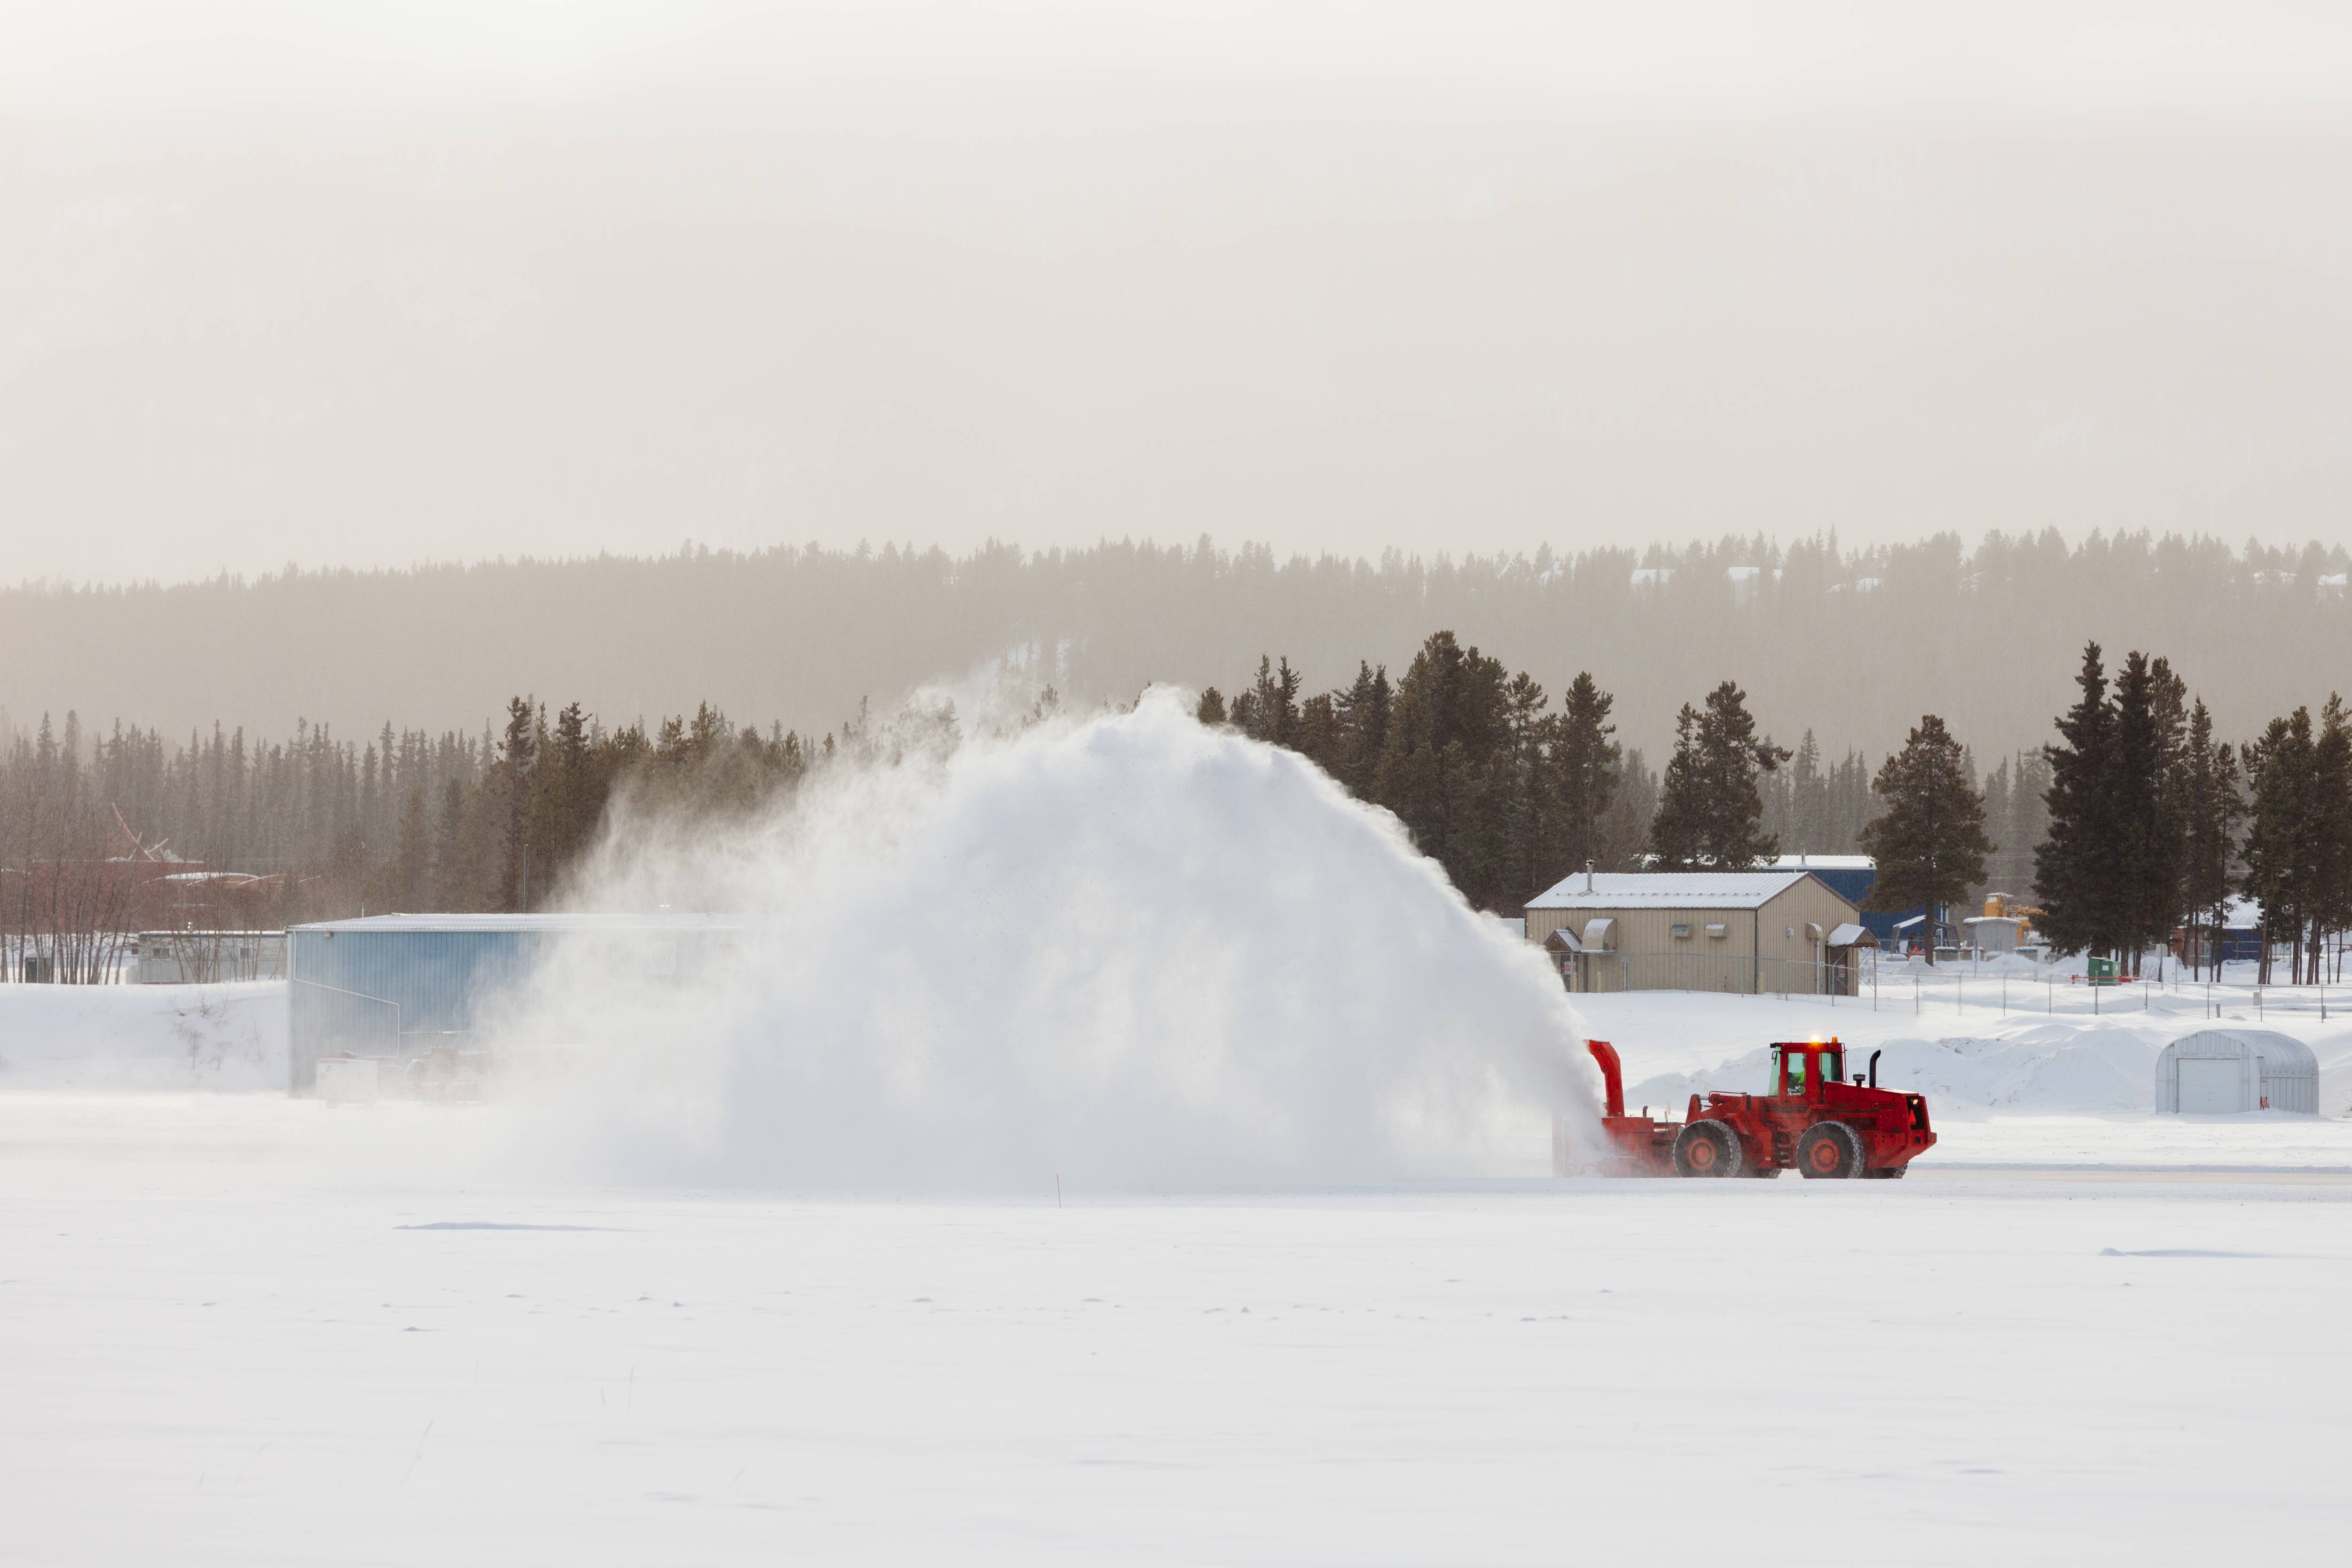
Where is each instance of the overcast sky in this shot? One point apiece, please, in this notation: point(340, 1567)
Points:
point(341, 285)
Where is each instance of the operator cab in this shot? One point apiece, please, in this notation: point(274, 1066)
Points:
point(1800, 1069)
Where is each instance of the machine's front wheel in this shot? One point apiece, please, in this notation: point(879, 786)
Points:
point(1830, 1151)
point(1706, 1148)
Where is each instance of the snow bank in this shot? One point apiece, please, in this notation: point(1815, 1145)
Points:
point(2045, 1067)
point(1972, 1066)
point(144, 1037)
point(1132, 951)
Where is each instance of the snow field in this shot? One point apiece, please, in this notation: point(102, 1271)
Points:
point(223, 1347)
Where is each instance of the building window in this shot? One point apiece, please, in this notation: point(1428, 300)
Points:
point(1682, 932)
point(1715, 931)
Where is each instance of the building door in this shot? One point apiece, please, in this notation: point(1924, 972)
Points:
point(2208, 1086)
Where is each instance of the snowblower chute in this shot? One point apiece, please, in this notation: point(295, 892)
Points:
point(1810, 1120)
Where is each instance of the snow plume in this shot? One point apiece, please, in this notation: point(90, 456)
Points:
point(1132, 951)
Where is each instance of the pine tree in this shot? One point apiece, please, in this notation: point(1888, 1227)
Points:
point(1996, 814)
point(1625, 831)
point(1709, 809)
point(2147, 824)
point(452, 872)
point(412, 862)
point(1211, 707)
point(1584, 773)
point(518, 757)
point(1521, 778)
point(1930, 842)
point(2331, 834)
point(571, 800)
point(1446, 733)
point(1320, 738)
point(1809, 825)
point(2211, 810)
point(2074, 865)
point(2281, 852)
point(1363, 711)
point(1268, 710)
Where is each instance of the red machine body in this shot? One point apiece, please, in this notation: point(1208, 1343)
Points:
point(1812, 1121)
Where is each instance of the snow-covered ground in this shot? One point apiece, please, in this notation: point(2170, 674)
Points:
point(243, 1329)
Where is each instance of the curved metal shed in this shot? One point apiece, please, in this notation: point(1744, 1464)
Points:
point(2224, 1071)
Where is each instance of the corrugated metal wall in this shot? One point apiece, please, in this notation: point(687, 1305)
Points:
point(393, 994)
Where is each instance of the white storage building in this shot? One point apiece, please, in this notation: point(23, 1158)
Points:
point(2220, 1071)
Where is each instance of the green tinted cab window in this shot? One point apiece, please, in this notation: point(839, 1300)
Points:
point(1797, 1060)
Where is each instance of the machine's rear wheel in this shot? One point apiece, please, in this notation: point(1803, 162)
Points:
point(1886, 1173)
point(1706, 1148)
point(1830, 1151)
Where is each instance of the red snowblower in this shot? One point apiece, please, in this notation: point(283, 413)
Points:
point(1810, 1119)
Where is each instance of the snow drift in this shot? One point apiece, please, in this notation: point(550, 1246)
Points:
point(1131, 951)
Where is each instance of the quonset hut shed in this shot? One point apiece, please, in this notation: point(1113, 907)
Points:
point(2217, 1071)
point(393, 987)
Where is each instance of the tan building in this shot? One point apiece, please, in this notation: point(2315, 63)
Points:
point(1779, 932)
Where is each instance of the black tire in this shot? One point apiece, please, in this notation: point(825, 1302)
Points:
point(1830, 1151)
point(1706, 1148)
point(1894, 1173)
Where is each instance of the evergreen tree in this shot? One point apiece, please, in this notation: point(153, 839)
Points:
point(1320, 738)
point(453, 881)
point(1585, 773)
point(2281, 851)
point(1211, 707)
point(1625, 830)
point(2074, 866)
point(1268, 710)
point(1929, 842)
point(1522, 781)
point(412, 864)
point(1997, 791)
point(2331, 835)
point(1446, 733)
point(571, 801)
point(2146, 821)
point(1363, 711)
point(2211, 810)
point(1709, 810)
point(518, 759)
point(1809, 815)
point(2028, 822)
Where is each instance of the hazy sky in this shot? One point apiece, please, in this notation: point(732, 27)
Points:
point(349, 285)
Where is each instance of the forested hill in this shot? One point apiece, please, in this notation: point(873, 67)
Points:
point(1852, 645)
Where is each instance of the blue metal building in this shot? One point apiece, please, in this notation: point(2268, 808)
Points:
point(1850, 878)
point(393, 987)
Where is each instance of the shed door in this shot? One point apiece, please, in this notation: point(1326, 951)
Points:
point(2210, 1085)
